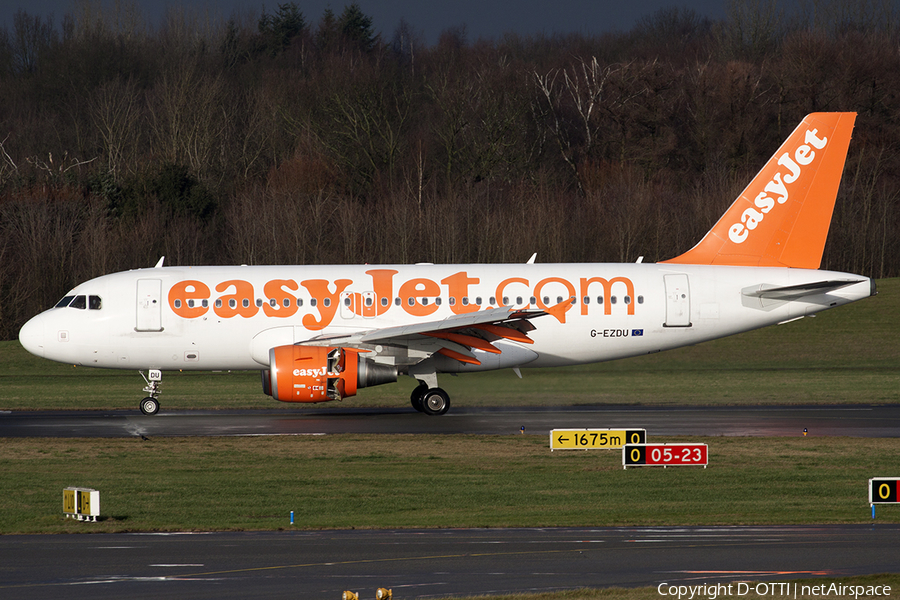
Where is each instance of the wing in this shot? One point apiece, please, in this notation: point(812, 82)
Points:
point(454, 337)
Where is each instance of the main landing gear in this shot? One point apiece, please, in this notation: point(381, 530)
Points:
point(430, 400)
point(150, 405)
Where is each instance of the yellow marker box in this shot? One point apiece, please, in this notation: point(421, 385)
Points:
point(81, 503)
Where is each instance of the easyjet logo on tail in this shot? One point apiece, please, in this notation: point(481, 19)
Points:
point(777, 190)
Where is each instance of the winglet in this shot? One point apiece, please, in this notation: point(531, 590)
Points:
point(781, 219)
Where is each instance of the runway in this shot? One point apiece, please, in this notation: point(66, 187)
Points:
point(844, 420)
point(441, 563)
point(433, 563)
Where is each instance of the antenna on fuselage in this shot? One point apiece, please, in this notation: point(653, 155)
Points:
point(160, 263)
point(531, 260)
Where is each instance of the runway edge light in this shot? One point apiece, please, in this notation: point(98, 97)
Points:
point(383, 594)
point(348, 595)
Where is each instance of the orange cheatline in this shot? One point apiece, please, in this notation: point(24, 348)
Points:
point(466, 340)
point(458, 356)
point(505, 332)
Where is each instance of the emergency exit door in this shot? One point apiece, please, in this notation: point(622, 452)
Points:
point(149, 305)
point(678, 300)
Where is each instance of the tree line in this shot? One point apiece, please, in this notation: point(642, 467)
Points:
point(276, 138)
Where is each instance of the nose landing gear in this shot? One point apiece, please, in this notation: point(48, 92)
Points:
point(150, 405)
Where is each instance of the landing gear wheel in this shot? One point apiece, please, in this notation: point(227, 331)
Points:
point(416, 397)
point(435, 401)
point(149, 406)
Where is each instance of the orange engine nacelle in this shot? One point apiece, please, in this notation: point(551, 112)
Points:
point(319, 374)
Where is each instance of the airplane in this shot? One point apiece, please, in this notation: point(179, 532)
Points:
point(318, 333)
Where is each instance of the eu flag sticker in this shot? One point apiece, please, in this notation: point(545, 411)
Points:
point(637, 332)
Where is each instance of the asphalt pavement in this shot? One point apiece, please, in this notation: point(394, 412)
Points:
point(434, 563)
point(843, 420)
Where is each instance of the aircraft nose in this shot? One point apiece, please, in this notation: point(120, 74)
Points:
point(31, 336)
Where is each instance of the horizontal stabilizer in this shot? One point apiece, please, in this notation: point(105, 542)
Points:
point(792, 292)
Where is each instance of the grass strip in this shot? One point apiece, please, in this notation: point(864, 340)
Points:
point(401, 481)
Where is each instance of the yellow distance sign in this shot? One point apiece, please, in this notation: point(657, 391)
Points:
point(595, 439)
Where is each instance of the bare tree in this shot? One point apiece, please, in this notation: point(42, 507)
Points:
point(187, 121)
point(116, 112)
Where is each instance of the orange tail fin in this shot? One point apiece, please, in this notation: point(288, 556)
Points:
point(781, 219)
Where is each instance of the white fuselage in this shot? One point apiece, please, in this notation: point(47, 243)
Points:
point(211, 318)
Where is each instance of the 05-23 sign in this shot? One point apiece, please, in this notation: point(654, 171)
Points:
point(665, 455)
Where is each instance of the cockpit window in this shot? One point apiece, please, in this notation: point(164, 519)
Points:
point(82, 302)
point(64, 302)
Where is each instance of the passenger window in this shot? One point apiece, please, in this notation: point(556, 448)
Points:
point(94, 302)
point(612, 299)
point(385, 301)
point(640, 299)
point(79, 302)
